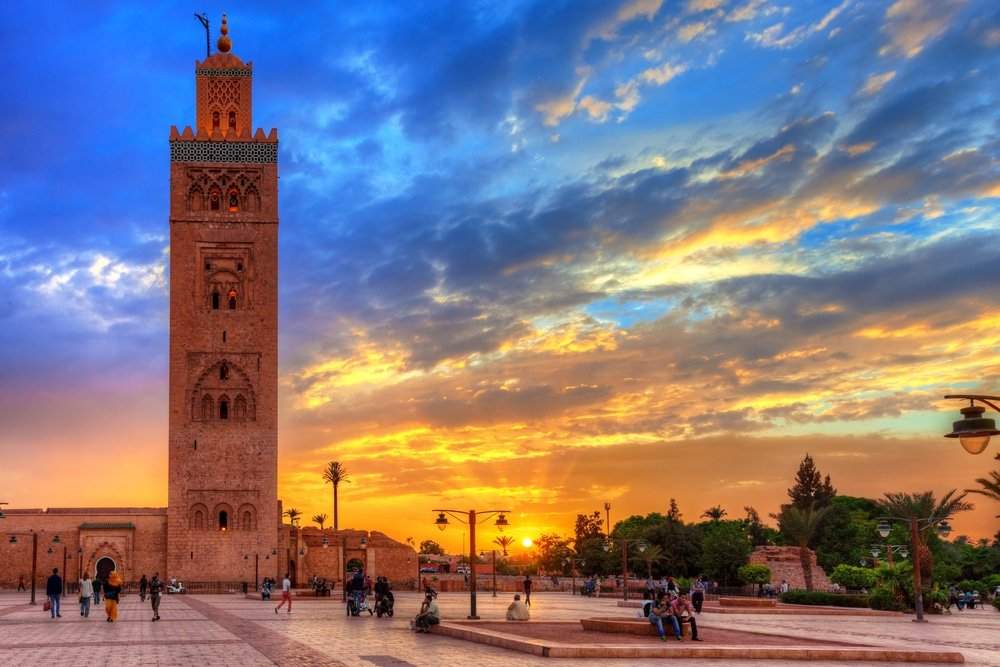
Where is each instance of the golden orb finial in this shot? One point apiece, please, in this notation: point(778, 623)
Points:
point(224, 44)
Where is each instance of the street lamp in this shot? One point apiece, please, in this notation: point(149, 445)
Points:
point(571, 563)
point(34, 557)
point(471, 518)
point(494, 552)
point(640, 544)
point(973, 430)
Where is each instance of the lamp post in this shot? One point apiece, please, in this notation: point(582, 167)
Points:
point(34, 557)
point(640, 544)
point(471, 518)
point(607, 514)
point(571, 563)
point(916, 525)
point(973, 430)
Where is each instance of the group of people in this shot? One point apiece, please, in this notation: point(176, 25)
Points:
point(321, 587)
point(673, 608)
point(964, 599)
point(91, 590)
point(668, 586)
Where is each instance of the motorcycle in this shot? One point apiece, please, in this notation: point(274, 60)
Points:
point(589, 589)
point(357, 602)
point(176, 587)
point(384, 605)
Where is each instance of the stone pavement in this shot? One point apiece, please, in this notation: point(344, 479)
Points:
point(232, 630)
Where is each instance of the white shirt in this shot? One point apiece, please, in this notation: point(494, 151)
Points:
point(86, 588)
point(286, 584)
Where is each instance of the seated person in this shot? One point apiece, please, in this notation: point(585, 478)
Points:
point(663, 612)
point(518, 611)
point(429, 615)
point(684, 613)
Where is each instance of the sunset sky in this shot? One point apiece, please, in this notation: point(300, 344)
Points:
point(539, 255)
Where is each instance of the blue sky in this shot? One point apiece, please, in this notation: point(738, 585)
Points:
point(542, 235)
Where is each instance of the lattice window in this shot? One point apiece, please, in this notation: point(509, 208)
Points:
point(223, 92)
point(223, 151)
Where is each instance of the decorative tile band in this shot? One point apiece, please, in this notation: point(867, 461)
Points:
point(228, 71)
point(223, 151)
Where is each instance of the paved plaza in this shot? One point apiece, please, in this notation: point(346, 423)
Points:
point(232, 630)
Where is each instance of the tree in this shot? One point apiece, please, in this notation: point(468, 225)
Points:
point(990, 487)
point(799, 525)
point(914, 509)
point(811, 489)
point(588, 526)
point(293, 515)
point(503, 541)
point(714, 513)
point(320, 519)
point(430, 547)
point(553, 554)
point(759, 533)
point(845, 535)
point(754, 574)
point(724, 549)
point(652, 554)
point(853, 577)
point(674, 513)
point(335, 474)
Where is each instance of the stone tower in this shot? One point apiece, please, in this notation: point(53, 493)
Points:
point(222, 504)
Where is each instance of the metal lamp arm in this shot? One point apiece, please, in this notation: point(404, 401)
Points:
point(988, 400)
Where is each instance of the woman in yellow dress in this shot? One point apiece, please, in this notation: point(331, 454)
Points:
point(112, 591)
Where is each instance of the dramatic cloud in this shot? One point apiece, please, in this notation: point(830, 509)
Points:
point(541, 254)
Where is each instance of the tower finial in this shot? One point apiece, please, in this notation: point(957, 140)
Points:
point(224, 44)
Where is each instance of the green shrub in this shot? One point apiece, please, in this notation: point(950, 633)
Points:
point(883, 598)
point(992, 581)
point(853, 577)
point(996, 602)
point(970, 585)
point(826, 599)
point(754, 574)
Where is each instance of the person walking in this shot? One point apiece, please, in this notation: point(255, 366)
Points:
point(53, 589)
point(98, 584)
point(86, 592)
point(155, 591)
point(20, 583)
point(527, 590)
point(143, 585)
point(112, 593)
point(698, 594)
point(286, 594)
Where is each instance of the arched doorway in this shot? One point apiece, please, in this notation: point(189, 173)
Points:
point(103, 568)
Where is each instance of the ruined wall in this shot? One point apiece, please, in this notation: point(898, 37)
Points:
point(786, 565)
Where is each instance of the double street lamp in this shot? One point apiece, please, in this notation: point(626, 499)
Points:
point(472, 518)
point(640, 544)
point(571, 563)
point(973, 430)
point(34, 558)
point(943, 529)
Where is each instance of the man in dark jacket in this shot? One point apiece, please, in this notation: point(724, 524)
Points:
point(143, 584)
point(53, 589)
point(155, 590)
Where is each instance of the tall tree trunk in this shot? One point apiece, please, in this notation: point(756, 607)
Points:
point(336, 521)
point(807, 572)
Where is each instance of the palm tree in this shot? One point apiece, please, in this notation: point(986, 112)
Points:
point(799, 525)
point(335, 473)
point(503, 541)
point(714, 513)
point(922, 508)
point(293, 515)
point(990, 487)
point(653, 554)
point(320, 519)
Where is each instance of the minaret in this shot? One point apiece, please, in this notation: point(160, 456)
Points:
point(222, 505)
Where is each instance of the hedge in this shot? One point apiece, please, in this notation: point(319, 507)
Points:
point(826, 599)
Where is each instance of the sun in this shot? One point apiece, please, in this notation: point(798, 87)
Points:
point(527, 542)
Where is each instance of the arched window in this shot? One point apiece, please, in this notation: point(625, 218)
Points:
point(247, 521)
point(223, 520)
point(232, 299)
point(240, 407)
point(196, 200)
point(223, 408)
point(215, 120)
point(215, 300)
point(234, 200)
point(199, 520)
point(224, 371)
point(252, 200)
point(207, 407)
point(232, 120)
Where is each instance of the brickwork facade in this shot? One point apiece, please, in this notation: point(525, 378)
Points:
point(786, 566)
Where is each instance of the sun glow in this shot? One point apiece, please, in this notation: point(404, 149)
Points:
point(527, 543)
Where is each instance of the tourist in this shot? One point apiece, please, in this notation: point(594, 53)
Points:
point(155, 591)
point(650, 589)
point(698, 594)
point(286, 594)
point(143, 585)
point(20, 582)
point(97, 591)
point(684, 613)
point(429, 615)
point(784, 586)
point(112, 592)
point(527, 589)
point(671, 585)
point(663, 612)
point(517, 611)
point(86, 592)
point(53, 589)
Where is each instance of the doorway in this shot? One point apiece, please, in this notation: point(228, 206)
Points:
point(104, 567)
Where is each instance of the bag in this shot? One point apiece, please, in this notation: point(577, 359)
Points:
point(47, 606)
